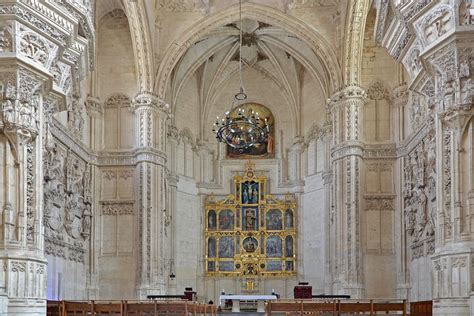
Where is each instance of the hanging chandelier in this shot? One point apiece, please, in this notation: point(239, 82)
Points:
point(241, 128)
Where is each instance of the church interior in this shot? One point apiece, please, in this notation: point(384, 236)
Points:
point(254, 150)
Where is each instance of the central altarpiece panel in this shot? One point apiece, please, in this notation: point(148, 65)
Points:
point(250, 233)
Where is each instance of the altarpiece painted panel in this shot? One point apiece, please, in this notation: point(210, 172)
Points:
point(250, 233)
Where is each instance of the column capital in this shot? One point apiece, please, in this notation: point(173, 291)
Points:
point(150, 100)
point(348, 93)
point(172, 133)
point(400, 95)
point(93, 105)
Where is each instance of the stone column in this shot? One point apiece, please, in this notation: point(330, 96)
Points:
point(95, 112)
point(346, 160)
point(400, 101)
point(23, 280)
point(151, 114)
point(327, 177)
point(172, 187)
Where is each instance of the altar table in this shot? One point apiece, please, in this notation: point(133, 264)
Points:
point(237, 298)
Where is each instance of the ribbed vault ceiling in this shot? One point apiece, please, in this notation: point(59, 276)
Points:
point(278, 54)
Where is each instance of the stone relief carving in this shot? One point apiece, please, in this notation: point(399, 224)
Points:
point(75, 118)
point(117, 207)
point(377, 91)
point(419, 194)
point(35, 47)
point(6, 40)
point(117, 100)
point(414, 61)
point(67, 202)
point(466, 16)
point(437, 23)
point(295, 4)
point(418, 111)
point(184, 5)
point(379, 202)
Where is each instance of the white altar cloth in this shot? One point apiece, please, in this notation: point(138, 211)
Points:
point(237, 298)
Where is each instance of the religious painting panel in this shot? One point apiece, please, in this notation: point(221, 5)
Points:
point(250, 191)
point(274, 246)
point(211, 220)
point(289, 219)
point(226, 220)
point(226, 266)
point(250, 233)
point(274, 265)
point(274, 220)
point(211, 266)
point(289, 246)
point(226, 247)
point(249, 218)
point(211, 247)
point(259, 150)
point(250, 244)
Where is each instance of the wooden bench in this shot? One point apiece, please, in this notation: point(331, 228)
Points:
point(53, 308)
point(132, 308)
point(107, 308)
point(336, 307)
point(422, 308)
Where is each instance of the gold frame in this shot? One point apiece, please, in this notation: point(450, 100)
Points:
point(247, 263)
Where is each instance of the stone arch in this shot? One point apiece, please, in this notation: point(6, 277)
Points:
point(354, 44)
point(142, 44)
point(254, 11)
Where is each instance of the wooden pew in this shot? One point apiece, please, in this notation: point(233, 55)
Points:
point(391, 307)
point(107, 308)
point(140, 308)
point(369, 307)
point(132, 308)
point(53, 308)
point(76, 308)
point(210, 309)
point(422, 308)
point(320, 307)
point(355, 307)
point(176, 307)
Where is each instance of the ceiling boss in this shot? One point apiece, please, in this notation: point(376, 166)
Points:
point(242, 127)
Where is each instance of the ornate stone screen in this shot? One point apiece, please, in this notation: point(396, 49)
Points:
point(250, 233)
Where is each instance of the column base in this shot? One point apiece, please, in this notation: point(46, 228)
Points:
point(403, 291)
point(354, 290)
point(30, 307)
point(144, 291)
point(453, 307)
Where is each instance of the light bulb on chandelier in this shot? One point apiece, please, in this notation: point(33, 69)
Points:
point(244, 128)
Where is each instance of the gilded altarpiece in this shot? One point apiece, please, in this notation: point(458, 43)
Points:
point(250, 233)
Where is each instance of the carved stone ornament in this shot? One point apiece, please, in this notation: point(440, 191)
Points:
point(437, 23)
point(117, 208)
point(67, 202)
point(419, 193)
point(184, 5)
point(377, 91)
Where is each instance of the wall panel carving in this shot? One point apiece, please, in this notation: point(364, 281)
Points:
point(67, 202)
